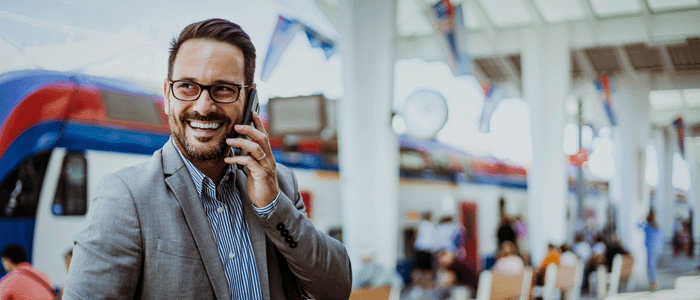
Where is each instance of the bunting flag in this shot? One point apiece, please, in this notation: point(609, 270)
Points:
point(447, 19)
point(680, 132)
point(491, 101)
point(284, 32)
point(603, 86)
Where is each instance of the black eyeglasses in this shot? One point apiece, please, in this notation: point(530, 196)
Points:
point(187, 90)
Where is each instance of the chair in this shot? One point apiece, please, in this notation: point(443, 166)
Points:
point(561, 279)
point(380, 293)
point(500, 286)
point(609, 283)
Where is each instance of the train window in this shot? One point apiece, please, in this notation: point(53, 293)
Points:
point(440, 162)
point(19, 192)
point(71, 192)
point(127, 107)
point(412, 161)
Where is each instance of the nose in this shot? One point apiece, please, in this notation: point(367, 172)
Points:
point(204, 104)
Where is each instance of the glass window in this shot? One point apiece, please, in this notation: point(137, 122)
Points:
point(129, 107)
point(71, 192)
point(20, 191)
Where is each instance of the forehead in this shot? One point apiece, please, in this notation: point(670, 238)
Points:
point(209, 60)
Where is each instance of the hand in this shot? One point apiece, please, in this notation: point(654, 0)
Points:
point(260, 164)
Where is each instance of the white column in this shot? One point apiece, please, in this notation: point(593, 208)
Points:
point(694, 192)
point(368, 149)
point(546, 81)
point(630, 97)
point(664, 193)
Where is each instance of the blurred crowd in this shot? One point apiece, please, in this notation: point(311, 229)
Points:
point(439, 268)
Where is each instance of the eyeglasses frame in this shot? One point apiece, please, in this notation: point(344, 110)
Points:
point(203, 87)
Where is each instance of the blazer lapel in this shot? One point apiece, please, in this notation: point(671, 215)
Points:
point(257, 235)
point(185, 192)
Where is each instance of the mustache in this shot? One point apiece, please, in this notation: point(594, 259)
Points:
point(211, 117)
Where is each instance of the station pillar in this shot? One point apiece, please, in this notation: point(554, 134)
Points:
point(664, 197)
point(628, 189)
point(546, 79)
point(367, 147)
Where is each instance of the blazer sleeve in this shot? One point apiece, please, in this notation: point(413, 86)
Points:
point(320, 263)
point(107, 255)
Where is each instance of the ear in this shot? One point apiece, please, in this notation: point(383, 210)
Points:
point(166, 97)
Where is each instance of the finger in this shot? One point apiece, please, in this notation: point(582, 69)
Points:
point(252, 147)
point(259, 124)
point(246, 160)
point(255, 134)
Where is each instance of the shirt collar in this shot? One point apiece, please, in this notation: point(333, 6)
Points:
point(200, 180)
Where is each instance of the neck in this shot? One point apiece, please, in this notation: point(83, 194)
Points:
point(213, 169)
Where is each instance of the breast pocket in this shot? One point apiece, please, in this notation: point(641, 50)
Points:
point(179, 272)
point(177, 249)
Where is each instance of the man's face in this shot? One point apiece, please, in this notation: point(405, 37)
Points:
point(200, 127)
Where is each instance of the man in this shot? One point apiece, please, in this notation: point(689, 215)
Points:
point(188, 224)
point(22, 281)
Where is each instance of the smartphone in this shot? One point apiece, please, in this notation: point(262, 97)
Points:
point(251, 106)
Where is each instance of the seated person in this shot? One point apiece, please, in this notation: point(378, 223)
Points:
point(454, 272)
point(568, 257)
point(371, 274)
point(552, 257)
point(508, 261)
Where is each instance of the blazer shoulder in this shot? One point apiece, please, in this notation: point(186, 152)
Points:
point(141, 176)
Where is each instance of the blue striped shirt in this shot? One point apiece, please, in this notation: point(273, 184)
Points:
point(224, 210)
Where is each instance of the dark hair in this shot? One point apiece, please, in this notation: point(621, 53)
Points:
point(218, 30)
point(15, 253)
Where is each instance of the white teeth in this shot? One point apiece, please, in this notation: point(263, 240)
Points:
point(201, 125)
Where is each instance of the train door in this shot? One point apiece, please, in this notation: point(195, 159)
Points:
point(71, 181)
point(19, 197)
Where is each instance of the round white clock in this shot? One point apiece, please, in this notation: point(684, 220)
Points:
point(425, 113)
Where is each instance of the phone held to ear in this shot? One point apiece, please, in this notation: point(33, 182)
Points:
point(251, 106)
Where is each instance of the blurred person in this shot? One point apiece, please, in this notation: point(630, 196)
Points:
point(195, 221)
point(520, 228)
point(553, 256)
point(422, 275)
point(568, 257)
point(453, 272)
point(651, 241)
point(447, 235)
point(508, 261)
point(505, 227)
point(371, 274)
point(615, 247)
point(582, 248)
point(22, 281)
point(425, 242)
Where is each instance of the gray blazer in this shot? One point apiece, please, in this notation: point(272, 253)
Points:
point(147, 237)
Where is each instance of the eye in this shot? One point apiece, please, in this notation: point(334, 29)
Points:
point(224, 89)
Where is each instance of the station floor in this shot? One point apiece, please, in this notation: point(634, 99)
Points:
point(670, 268)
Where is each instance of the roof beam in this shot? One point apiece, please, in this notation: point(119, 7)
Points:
point(63, 28)
point(666, 60)
point(536, 14)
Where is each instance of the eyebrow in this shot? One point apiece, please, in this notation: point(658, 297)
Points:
point(218, 81)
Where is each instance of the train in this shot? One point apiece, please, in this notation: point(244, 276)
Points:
point(61, 132)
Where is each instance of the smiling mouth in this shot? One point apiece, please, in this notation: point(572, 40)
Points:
point(199, 125)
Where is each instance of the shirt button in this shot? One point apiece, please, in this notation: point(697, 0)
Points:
point(231, 255)
point(220, 209)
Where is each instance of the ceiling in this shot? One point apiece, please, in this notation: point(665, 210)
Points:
point(655, 38)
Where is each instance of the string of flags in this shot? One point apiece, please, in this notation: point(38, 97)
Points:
point(603, 86)
point(447, 19)
point(285, 30)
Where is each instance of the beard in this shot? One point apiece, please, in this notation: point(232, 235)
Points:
point(212, 151)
